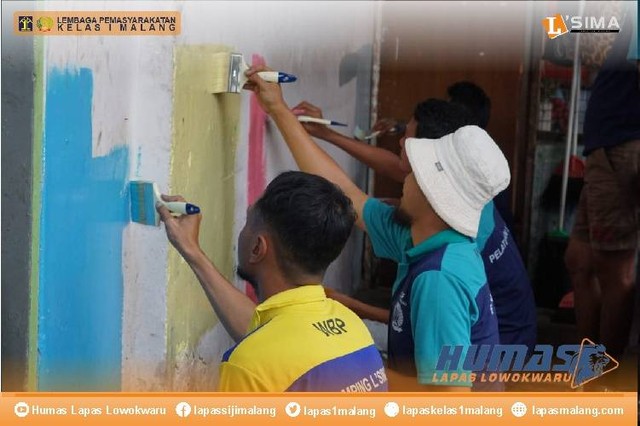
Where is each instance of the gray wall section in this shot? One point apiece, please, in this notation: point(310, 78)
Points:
point(358, 65)
point(17, 115)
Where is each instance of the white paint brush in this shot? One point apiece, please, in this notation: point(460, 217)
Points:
point(228, 74)
point(307, 119)
point(144, 197)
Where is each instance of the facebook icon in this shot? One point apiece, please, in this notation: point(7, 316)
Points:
point(183, 409)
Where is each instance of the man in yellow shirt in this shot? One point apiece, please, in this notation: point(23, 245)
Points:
point(298, 339)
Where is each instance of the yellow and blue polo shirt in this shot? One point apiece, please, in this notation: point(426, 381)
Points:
point(300, 340)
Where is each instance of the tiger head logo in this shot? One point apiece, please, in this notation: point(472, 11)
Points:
point(591, 362)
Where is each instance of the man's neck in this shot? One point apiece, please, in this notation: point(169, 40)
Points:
point(424, 228)
point(275, 282)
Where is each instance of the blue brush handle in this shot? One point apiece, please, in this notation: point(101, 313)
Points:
point(181, 207)
point(192, 208)
point(277, 77)
point(283, 77)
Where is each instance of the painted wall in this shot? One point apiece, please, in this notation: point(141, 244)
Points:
point(116, 307)
point(205, 137)
point(80, 268)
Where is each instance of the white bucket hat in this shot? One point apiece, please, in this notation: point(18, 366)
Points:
point(459, 174)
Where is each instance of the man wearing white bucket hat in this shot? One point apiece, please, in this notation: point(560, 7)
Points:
point(507, 276)
point(443, 298)
point(459, 174)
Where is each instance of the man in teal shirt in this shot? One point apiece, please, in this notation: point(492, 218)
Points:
point(506, 273)
point(442, 294)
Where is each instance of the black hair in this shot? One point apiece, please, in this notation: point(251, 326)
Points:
point(472, 97)
point(437, 118)
point(309, 217)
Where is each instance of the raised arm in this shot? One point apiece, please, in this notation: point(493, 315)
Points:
point(381, 160)
point(233, 308)
point(308, 155)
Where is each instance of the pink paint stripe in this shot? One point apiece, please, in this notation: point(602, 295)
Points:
point(257, 123)
point(256, 175)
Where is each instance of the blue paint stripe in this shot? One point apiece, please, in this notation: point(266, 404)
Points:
point(84, 211)
point(148, 206)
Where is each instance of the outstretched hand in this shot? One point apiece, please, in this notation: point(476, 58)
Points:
point(389, 126)
point(314, 129)
point(182, 231)
point(269, 94)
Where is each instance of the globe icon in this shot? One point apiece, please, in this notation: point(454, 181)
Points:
point(391, 409)
point(518, 409)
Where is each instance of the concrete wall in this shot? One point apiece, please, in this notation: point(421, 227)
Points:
point(17, 113)
point(116, 307)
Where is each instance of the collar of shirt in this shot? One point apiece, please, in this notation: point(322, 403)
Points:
point(434, 242)
point(272, 306)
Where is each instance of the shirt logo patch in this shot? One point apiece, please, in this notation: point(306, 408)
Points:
point(397, 319)
point(439, 167)
point(331, 327)
point(493, 312)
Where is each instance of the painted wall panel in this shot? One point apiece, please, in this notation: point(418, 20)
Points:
point(84, 211)
point(145, 252)
point(205, 135)
point(132, 106)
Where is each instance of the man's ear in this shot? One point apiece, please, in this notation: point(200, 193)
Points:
point(259, 249)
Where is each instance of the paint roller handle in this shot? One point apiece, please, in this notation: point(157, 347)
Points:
point(181, 207)
point(277, 77)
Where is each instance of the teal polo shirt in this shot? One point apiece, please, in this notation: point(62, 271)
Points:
point(440, 296)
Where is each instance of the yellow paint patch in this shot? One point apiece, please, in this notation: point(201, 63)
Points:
point(205, 134)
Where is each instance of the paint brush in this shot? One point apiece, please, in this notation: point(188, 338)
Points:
point(359, 134)
point(144, 197)
point(228, 74)
point(397, 128)
point(307, 119)
point(373, 135)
